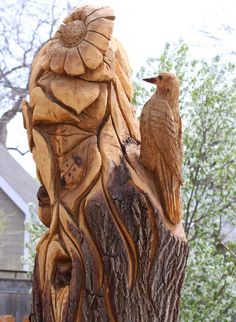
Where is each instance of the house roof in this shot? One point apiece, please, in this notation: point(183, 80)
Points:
point(15, 177)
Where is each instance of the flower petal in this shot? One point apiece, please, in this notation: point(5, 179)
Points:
point(51, 49)
point(105, 12)
point(88, 10)
point(102, 26)
point(97, 40)
point(55, 43)
point(91, 56)
point(58, 59)
point(45, 61)
point(75, 15)
point(101, 74)
point(104, 72)
point(73, 63)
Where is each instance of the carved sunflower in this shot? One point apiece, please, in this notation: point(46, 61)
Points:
point(81, 43)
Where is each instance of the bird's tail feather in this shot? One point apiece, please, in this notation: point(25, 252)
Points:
point(169, 193)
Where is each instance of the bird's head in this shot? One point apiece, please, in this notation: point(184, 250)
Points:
point(167, 83)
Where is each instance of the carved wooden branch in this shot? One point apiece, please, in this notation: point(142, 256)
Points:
point(110, 253)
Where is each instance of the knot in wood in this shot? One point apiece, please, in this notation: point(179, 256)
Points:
point(73, 33)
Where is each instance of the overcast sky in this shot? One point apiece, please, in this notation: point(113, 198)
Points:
point(145, 26)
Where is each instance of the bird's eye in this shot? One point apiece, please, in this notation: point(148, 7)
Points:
point(160, 77)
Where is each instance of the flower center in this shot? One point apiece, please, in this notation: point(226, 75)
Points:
point(73, 33)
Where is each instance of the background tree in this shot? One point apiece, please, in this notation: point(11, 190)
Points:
point(24, 27)
point(208, 108)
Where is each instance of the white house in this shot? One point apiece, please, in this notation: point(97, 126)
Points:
point(17, 190)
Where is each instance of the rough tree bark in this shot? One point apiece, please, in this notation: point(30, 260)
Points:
point(110, 254)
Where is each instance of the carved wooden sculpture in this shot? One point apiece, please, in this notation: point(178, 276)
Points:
point(110, 253)
point(161, 147)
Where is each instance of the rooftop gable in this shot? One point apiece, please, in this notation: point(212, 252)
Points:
point(14, 175)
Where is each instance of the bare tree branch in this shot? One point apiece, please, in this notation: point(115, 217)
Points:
point(18, 150)
point(6, 118)
point(227, 247)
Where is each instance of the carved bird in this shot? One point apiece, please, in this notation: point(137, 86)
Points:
point(161, 143)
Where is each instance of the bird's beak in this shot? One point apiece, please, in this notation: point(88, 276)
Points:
point(152, 80)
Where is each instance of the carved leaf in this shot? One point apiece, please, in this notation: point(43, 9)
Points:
point(117, 118)
point(65, 137)
point(46, 111)
point(75, 93)
point(125, 81)
point(27, 116)
point(45, 163)
point(36, 67)
point(72, 172)
point(91, 118)
point(88, 159)
point(122, 58)
point(127, 111)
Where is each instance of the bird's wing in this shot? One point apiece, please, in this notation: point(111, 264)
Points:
point(164, 132)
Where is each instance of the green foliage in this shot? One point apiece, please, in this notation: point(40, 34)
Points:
point(209, 292)
point(35, 229)
point(208, 110)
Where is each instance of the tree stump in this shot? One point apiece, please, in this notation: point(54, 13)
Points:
point(109, 254)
